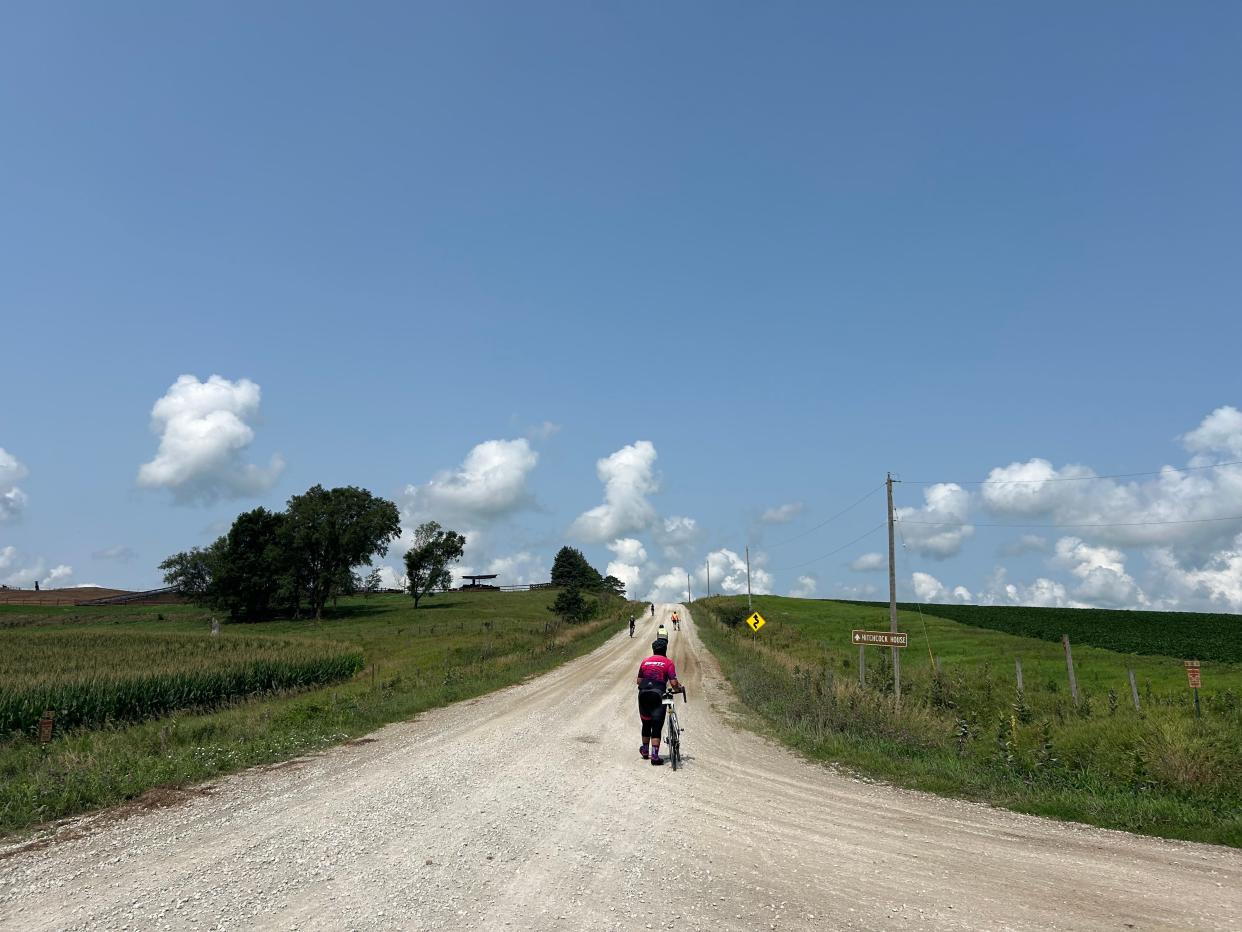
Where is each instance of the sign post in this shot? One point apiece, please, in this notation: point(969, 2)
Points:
point(880, 638)
point(893, 639)
point(1069, 666)
point(1193, 677)
point(47, 723)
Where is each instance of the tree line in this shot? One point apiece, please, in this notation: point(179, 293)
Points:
point(296, 561)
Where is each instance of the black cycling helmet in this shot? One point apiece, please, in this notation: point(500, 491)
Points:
point(660, 646)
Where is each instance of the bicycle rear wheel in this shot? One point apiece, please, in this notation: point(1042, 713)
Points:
point(674, 740)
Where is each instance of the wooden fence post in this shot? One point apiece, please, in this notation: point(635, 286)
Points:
point(1069, 665)
point(1134, 691)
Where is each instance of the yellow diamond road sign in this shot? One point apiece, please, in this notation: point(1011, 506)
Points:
point(756, 621)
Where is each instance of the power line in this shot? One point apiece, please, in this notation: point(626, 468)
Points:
point(1118, 475)
point(827, 521)
point(1070, 526)
point(830, 553)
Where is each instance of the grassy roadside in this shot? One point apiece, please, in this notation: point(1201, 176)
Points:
point(454, 647)
point(966, 732)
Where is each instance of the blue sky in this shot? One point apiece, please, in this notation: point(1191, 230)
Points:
point(789, 248)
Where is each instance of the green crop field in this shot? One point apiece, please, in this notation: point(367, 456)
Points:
point(394, 661)
point(93, 677)
point(1192, 635)
point(963, 728)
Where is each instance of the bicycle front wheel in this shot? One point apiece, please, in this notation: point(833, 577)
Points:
point(674, 740)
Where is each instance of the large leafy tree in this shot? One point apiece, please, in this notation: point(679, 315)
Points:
point(427, 562)
point(248, 572)
point(570, 568)
point(330, 531)
point(242, 573)
point(190, 572)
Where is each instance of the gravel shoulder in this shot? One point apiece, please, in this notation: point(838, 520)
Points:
point(530, 809)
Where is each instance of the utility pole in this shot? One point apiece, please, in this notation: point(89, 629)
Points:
point(748, 599)
point(892, 591)
point(689, 596)
point(709, 577)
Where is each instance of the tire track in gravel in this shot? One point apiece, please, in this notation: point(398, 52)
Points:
point(530, 809)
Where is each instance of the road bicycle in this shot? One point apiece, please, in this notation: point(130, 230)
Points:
point(673, 741)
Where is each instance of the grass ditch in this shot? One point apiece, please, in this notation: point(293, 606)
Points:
point(454, 647)
point(964, 730)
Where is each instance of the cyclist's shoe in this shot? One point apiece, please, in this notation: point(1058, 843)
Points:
point(656, 760)
point(643, 752)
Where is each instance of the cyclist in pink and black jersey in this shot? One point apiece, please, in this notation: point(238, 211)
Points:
point(655, 674)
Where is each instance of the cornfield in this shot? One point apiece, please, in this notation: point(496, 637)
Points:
point(90, 678)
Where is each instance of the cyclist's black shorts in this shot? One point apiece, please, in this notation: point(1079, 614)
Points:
point(651, 711)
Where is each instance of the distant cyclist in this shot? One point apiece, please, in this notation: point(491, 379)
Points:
point(655, 674)
point(662, 632)
point(632, 626)
point(676, 622)
point(653, 610)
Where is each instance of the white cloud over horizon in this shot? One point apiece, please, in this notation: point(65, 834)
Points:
point(22, 573)
point(12, 498)
point(806, 587)
point(1177, 526)
point(205, 429)
point(928, 588)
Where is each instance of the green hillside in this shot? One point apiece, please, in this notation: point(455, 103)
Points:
point(964, 729)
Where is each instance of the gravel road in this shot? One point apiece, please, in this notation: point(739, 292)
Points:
point(531, 809)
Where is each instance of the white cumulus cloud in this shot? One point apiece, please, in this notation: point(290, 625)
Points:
point(629, 558)
point(22, 572)
point(728, 573)
point(12, 498)
point(628, 476)
point(205, 429)
point(928, 588)
point(940, 527)
point(782, 514)
point(518, 569)
point(1213, 586)
point(676, 536)
point(669, 586)
point(1043, 592)
point(489, 484)
point(1176, 508)
point(1218, 433)
point(1101, 572)
point(806, 587)
point(869, 563)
